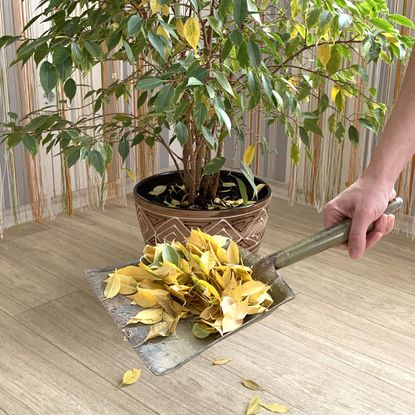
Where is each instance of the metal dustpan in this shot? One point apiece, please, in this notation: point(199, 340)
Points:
point(165, 355)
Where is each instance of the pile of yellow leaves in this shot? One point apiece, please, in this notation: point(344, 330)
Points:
point(203, 279)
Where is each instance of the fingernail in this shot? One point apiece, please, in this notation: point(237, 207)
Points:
point(355, 253)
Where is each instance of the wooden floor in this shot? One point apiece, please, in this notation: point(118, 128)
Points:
point(345, 345)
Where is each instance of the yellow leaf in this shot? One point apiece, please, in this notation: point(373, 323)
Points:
point(162, 329)
point(149, 316)
point(155, 6)
point(128, 285)
point(165, 10)
point(250, 384)
point(220, 362)
point(275, 407)
point(208, 260)
point(300, 29)
point(131, 376)
point(253, 406)
point(249, 154)
point(145, 298)
point(334, 91)
point(113, 286)
point(138, 273)
point(180, 27)
point(161, 32)
point(233, 253)
point(251, 288)
point(293, 33)
point(131, 174)
point(390, 38)
point(324, 54)
point(192, 32)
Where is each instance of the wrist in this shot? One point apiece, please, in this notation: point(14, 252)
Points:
point(381, 180)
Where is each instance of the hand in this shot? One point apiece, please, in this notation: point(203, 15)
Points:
point(364, 201)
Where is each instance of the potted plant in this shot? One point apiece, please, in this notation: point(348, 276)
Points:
point(199, 66)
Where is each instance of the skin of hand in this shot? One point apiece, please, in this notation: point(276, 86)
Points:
point(366, 199)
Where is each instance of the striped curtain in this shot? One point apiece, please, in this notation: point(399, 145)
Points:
point(39, 188)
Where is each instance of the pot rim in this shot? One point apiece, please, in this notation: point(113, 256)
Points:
point(242, 209)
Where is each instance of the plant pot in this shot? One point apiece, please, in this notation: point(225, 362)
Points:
point(243, 224)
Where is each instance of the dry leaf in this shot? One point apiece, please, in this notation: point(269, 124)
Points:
point(145, 298)
point(250, 384)
point(158, 190)
point(233, 253)
point(113, 286)
point(249, 154)
point(128, 285)
point(192, 32)
point(161, 329)
point(131, 376)
point(275, 407)
point(220, 362)
point(149, 316)
point(254, 406)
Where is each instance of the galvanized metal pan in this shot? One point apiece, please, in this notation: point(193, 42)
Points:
point(165, 355)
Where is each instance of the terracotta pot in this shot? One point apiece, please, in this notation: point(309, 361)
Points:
point(159, 223)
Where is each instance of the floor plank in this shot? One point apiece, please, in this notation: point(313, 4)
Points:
point(38, 378)
point(344, 346)
point(78, 325)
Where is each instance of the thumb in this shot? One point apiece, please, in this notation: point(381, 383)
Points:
point(357, 236)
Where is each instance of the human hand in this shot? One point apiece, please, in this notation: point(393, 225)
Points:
point(364, 202)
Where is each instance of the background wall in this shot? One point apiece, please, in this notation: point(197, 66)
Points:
point(41, 188)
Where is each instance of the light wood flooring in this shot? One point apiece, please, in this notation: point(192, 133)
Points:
point(345, 345)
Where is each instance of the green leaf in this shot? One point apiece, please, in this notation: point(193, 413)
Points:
point(94, 50)
point(30, 143)
point(76, 53)
point(208, 137)
point(369, 125)
point(242, 190)
point(383, 24)
point(164, 99)
point(181, 133)
point(313, 17)
point(242, 56)
point(401, 20)
point(200, 114)
point(335, 61)
point(345, 20)
point(72, 156)
point(339, 133)
point(123, 149)
point(148, 84)
point(254, 54)
point(169, 254)
point(13, 115)
point(129, 52)
point(70, 89)
point(226, 49)
point(353, 134)
point(240, 11)
point(304, 137)
point(295, 153)
point(60, 54)
point(64, 69)
point(48, 76)
point(194, 82)
point(224, 83)
point(214, 166)
point(324, 103)
point(95, 160)
point(157, 44)
point(135, 23)
point(223, 117)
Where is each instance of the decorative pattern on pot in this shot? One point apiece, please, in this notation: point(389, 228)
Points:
point(246, 229)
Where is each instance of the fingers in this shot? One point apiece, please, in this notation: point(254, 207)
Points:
point(357, 236)
point(332, 214)
point(383, 226)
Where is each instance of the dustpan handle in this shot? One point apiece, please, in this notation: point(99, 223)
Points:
point(327, 238)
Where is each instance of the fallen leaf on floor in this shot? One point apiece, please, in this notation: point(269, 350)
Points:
point(220, 362)
point(113, 285)
point(250, 384)
point(131, 376)
point(275, 407)
point(254, 406)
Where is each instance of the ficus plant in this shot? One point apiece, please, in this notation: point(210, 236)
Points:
point(198, 67)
